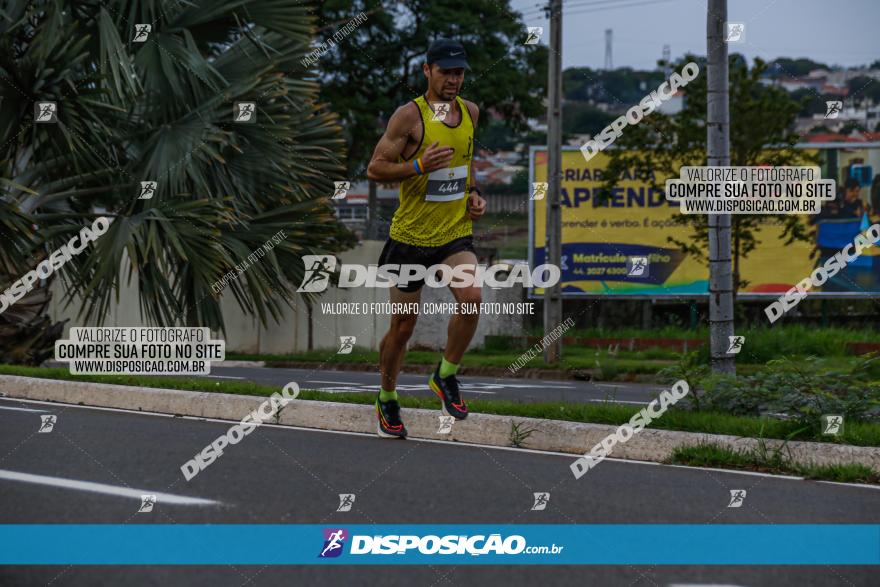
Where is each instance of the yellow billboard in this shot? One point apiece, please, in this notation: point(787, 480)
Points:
point(606, 241)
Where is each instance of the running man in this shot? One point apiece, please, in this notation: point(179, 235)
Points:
point(433, 224)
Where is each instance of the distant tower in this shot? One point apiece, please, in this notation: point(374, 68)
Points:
point(667, 56)
point(608, 65)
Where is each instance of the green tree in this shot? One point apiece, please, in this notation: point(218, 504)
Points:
point(162, 110)
point(497, 136)
point(616, 87)
point(761, 122)
point(811, 102)
point(379, 66)
point(819, 128)
point(850, 126)
point(519, 184)
point(863, 88)
point(786, 67)
point(583, 118)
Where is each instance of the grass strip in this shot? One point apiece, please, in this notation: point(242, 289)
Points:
point(774, 461)
point(855, 433)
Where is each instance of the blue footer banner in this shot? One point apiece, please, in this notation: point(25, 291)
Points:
point(600, 544)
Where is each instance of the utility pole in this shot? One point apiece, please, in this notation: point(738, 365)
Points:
point(372, 228)
point(667, 61)
point(552, 243)
point(608, 61)
point(718, 151)
point(372, 212)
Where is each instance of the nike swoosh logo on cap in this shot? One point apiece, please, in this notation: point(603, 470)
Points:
point(454, 54)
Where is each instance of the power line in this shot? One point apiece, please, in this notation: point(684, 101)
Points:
point(644, 3)
point(594, 6)
point(577, 3)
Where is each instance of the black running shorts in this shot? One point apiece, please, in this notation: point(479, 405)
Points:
point(398, 253)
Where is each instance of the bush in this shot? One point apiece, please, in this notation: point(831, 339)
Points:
point(795, 388)
point(495, 342)
point(765, 344)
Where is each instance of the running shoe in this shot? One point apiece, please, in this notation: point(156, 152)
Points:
point(390, 425)
point(447, 389)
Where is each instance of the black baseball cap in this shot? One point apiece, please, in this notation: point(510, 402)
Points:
point(447, 54)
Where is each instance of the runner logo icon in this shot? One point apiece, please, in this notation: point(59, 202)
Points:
point(245, 112)
point(832, 424)
point(147, 503)
point(541, 500)
point(141, 32)
point(340, 189)
point(637, 267)
point(445, 425)
point(46, 112)
point(346, 345)
point(148, 188)
point(737, 496)
point(441, 109)
point(535, 33)
point(539, 190)
point(833, 108)
point(736, 32)
point(736, 344)
point(47, 423)
point(334, 541)
point(346, 500)
point(318, 270)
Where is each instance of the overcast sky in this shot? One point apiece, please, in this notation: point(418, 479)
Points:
point(844, 32)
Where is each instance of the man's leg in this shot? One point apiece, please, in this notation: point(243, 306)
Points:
point(391, 352)
point(459, 334)
point(462, 326)
point(393, 346)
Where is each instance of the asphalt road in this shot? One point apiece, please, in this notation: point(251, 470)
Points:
point(489, 388)
point(279, 475)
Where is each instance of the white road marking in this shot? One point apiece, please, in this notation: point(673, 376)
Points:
point(411, 387)
point(617, 401)
point(751, 473)
point(19, 409)
point(361, 388)
point(341, 390)
point(161, 498)
point(540, 385)
point(847, 484)
point(333, 382)
point(220, 376)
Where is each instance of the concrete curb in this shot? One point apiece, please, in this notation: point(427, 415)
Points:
point(487, 429)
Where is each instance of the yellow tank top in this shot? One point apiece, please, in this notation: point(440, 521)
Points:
point(433, 206)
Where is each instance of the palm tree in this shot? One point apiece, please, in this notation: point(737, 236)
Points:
point(160, 108)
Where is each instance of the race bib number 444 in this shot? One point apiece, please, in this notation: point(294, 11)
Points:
point(445, 185)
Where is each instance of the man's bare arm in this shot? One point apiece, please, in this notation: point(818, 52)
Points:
point(476, 203)
point(475, 116)
point(384, 166)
